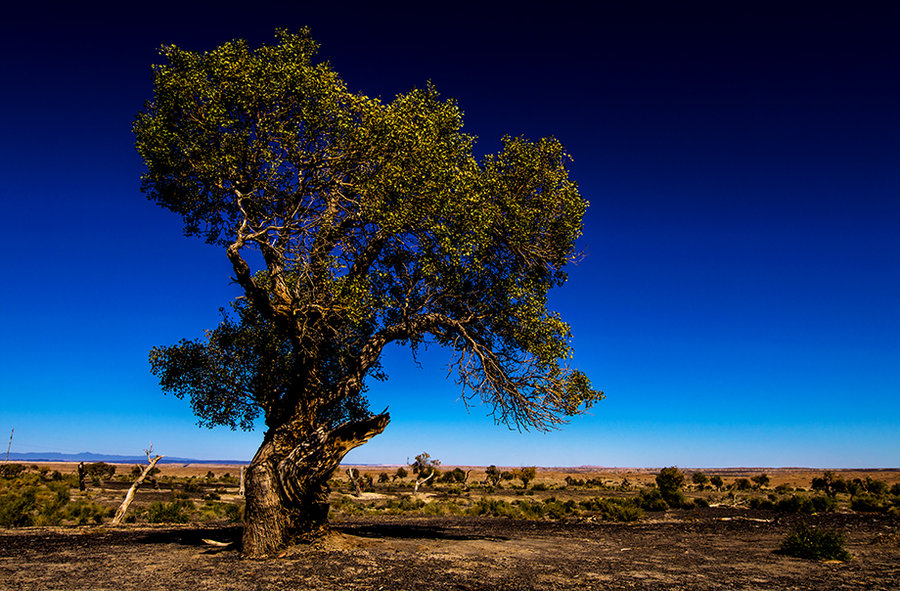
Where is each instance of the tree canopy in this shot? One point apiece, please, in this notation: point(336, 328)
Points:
point(351, 223)
point(373, 222)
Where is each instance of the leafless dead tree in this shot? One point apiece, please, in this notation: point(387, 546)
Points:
point(120, 512)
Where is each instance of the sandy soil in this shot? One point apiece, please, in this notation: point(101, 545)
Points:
point(710, 549)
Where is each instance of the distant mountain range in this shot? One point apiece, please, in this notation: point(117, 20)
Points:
point(87, 456)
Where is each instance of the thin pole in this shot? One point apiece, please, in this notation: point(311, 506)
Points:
point(8, 447)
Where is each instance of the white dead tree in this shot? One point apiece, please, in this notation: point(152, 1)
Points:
point(424, 464)
point(120, 512)
point(354, 475)
point(421, 481)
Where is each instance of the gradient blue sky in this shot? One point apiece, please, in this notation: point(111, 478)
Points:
point(738, 301)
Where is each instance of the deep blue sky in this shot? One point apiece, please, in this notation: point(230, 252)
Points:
point(738, 301)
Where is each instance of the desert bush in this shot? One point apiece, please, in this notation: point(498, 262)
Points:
point(11, 470)
point(814, 544)
point(17, 507)
point(191, 486)
point(574, 481)
point(783, 489)
point(540, 487)
point(761, 480)
point(83, 511)
point(758, 503)
point(456, 475)
point(869, 503)
point(669, 481)
point(214, 510)
point(651, 499)
point(742, 484)
point(615, 509)
point(829, 483)
point(717, 482)
point(100, 470)
point(804, 504)
point(876, 487)
point(700, 479)
point(895, 490)
point(495, 508)
point(177, 511)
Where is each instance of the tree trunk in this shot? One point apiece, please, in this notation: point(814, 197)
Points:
point(287, 483)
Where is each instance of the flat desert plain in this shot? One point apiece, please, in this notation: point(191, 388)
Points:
point(725, 546)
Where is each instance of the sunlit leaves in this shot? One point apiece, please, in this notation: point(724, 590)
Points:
point(374, 221)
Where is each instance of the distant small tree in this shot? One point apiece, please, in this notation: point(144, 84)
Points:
point(456, 475)
point(425, 468)
point(100, 470)
point(829, 483)
point(761, 480)
point(492, 474)
point(717, 482)
point(876, 487)
point(507, 475)
point(670, 480)
point(401, 473)
point(700, 479)
point(742, 484)
point(383, 477)
point(526, 475)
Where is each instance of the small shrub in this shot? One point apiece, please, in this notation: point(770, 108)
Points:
point(652, 500)
point(539, 487)
point(742, 484)
point(868, 503)
point(17, 507)
point(178, 511)
point(11, 470)
point(83, 511)
point(814, 544)
point(615, 509)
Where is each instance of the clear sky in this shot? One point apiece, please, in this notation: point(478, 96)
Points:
point(739, 298)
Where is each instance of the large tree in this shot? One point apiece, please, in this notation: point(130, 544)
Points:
point(351, 223)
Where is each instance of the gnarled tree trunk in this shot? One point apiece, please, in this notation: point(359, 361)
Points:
point(287, 483)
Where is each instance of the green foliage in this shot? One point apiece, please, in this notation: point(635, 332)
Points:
point(376, 223)
point(17, 507)
point(213, 510)
point(457, 475)
point(526, 475)
point(401, 473)
point(830, 484)
point(700, 479)
point(868, 503)
point(84, 511)
point(814, 544)
point(804, 504)
point(761, 480)
point(492, 473)
point(651, 499)
point(100, 470)
point(615, 509)
point(742, 484)
point(717, 482)
point(11, 470)
point(670, 480)
point(176, 511)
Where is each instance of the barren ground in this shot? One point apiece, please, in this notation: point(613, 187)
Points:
point(702, 549)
